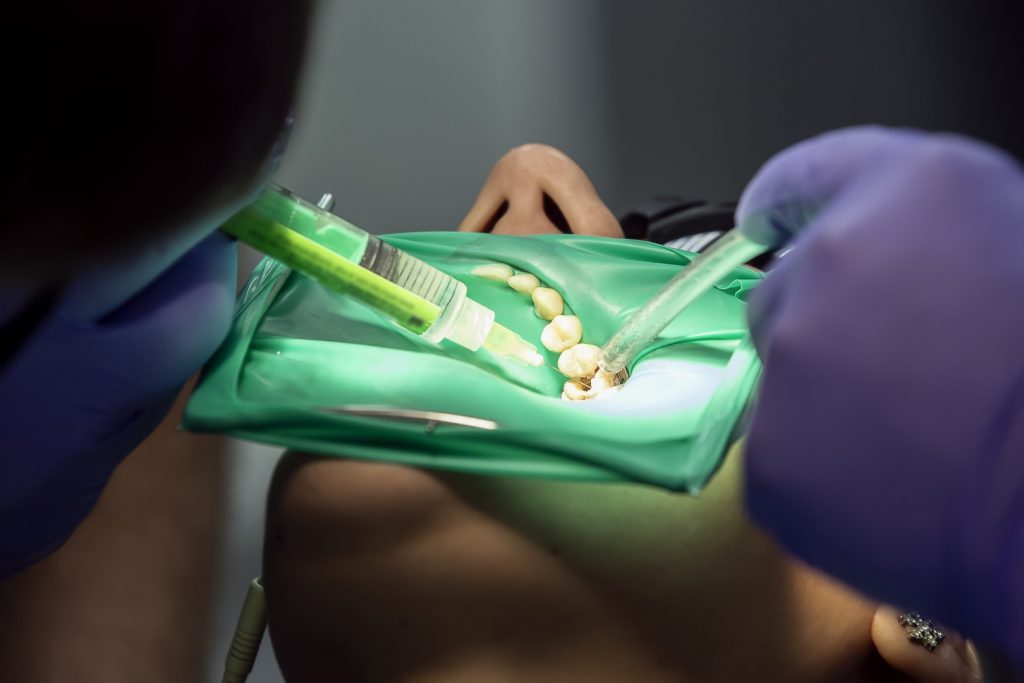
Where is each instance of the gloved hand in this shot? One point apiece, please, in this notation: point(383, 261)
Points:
point(887, 446)
point(95, 378)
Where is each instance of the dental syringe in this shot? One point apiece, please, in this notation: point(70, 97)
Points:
point(341, 257)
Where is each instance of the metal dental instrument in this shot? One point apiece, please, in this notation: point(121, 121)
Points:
point(430, 418)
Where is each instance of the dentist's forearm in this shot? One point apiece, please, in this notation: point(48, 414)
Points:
point(128, 597)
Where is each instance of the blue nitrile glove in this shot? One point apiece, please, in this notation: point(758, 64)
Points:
point(887, 446)
point(95, 378)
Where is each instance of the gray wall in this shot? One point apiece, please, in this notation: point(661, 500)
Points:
point(705, 91)
point(407, 104)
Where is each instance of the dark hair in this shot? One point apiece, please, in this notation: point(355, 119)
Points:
point(126, 120)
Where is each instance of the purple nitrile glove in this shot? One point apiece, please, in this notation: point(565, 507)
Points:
point(95, 378)
point(887, 446)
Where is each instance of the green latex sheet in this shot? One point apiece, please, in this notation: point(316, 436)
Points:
point(296, 351)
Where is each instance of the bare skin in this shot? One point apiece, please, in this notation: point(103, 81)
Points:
point(536, 189)
point(383, 573)
point(467, 578)
point(127, 597)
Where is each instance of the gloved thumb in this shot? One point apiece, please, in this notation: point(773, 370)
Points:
point(796, 184)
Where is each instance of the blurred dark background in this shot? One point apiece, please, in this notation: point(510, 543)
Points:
point(406, 104)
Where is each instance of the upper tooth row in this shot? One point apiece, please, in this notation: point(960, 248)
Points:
point(562, 335)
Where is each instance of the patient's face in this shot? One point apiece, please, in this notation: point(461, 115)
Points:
point(378, 572)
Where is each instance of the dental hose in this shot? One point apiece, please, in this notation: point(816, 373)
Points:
point(703, 273)
point(769, 228)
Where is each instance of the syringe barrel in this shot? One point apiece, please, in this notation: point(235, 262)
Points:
point(423, 280)
point(401, 287)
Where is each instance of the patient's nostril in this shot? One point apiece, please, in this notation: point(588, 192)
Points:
point(493, 220)
point(555, 215)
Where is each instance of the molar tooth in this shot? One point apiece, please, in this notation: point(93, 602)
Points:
point(602, 381)
point(579, 361)
point(574, 391)
point(563, 332)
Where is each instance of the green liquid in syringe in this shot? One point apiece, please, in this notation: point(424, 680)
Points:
point(341, 256)
point(365, 250)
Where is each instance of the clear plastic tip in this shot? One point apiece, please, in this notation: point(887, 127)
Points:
point(504, 342)
point(472, 325)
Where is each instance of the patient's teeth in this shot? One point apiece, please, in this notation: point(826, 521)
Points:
point(524, 282)
point(547, 302)
point(563, 332)
point(576, 361)
point(494, 271)
point(574, 391)
point(602, 381)
point(579, 361)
